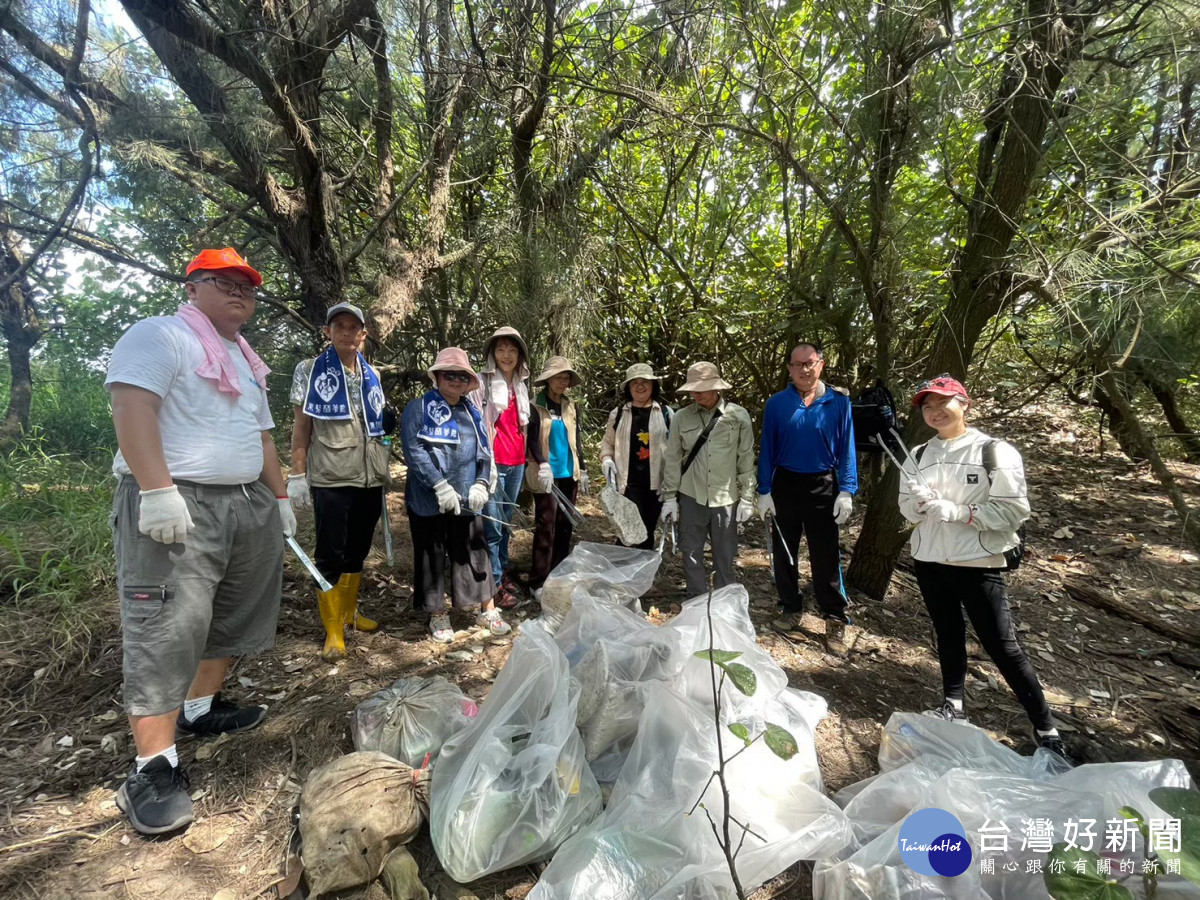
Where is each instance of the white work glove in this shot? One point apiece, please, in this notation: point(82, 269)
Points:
point(494, 479)
point(842, 507)
point(545, 478)
point(608, 466)
point(298, 492)
point(923, 492)
point(286, 514)
point(583, 483)
point(163, 515)
point(766, 505)
point(745, 511)
point(670, 510)
point(477, 496)
point(947, 511)
point(447, 498)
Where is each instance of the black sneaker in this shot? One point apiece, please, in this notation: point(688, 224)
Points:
point(949, 712)
point(1054, 744)
point(156, 799)
point(222, 718)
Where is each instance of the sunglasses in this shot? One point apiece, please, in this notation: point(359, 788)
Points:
point(231, 287)
point(460, 377)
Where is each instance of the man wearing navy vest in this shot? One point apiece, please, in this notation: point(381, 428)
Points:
point(340, 466)
point(807, 474)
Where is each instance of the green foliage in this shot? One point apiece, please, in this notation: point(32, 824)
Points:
point(718, 656)
point(741, 732)
point(1087, 885)
point(55, 542)
point(780, 741)
point(1184, 805)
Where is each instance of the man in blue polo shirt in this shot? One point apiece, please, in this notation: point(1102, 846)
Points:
point(807, 474)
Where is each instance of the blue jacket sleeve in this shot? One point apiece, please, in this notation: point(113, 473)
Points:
point(847, 458)
point(416, 453)
point(766, 449)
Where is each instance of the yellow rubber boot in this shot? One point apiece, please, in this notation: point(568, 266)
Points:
point(348, 585)
point(330, 606)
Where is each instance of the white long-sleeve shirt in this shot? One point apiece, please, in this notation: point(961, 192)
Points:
point(955, 470)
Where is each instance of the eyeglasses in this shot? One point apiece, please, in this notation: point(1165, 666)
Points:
point(460, 377)
point(806, 366)
point(231, 287)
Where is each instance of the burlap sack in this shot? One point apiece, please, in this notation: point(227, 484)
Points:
point(353, 812)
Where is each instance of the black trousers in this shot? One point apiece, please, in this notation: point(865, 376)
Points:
point(345, 518)
point(947, 591)
point(648, 505)
point(463, 541)
point(552, 532)
point(804, 507)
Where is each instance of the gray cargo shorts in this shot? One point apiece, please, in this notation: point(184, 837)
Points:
point(215, 595)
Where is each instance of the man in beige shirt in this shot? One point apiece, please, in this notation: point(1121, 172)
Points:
point(708, 480)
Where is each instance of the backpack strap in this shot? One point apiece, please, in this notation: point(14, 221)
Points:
point(620, 412)
point(989, 458)
point(919, 452)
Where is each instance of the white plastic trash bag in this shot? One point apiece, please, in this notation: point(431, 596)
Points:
point(412, 718)
point(908, 736)
point(616, 575)
point(732, 630)
point(513, 785)
point(615, 654)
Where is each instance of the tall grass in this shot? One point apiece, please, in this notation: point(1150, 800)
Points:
point(57, 590)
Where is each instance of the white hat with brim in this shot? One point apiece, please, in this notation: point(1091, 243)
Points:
point(640, 370)
point(508, 333)
point(556, 365)
point(453, 359)
point(704, 376)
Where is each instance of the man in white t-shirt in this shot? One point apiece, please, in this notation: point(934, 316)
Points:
point(199, 520)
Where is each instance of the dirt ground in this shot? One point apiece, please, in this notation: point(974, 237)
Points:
point(1121, 691)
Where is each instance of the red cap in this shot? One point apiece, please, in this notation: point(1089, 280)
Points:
point(225, 258)
point(944, 386)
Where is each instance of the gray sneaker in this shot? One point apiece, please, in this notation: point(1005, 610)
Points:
point(949, 712)
point(156, 799)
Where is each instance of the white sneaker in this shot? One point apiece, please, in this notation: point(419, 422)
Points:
point(439, 627)
point(490, 619)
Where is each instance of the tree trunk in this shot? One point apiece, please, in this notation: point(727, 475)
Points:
point(1164, 393)
point(1009, 159)
point(1126, 439)
point(1189, 517)
point(22, 331)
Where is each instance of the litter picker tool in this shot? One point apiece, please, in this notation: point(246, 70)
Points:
point(388, 545)
point(567, 506)
point(907, 455)
point(782, 541)
point(308, 564)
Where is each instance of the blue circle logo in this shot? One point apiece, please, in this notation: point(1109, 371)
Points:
point(933, 842)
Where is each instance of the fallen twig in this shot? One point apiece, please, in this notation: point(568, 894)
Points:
point(74, 832)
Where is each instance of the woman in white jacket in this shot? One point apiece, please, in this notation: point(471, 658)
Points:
point(968, 502)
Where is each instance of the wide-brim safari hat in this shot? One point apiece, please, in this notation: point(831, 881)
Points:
point(640, 370)
point(510, 333)
point(453, 359)
point(704, 376)
point(556, 365)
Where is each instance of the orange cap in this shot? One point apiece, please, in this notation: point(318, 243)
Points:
point(225, 258)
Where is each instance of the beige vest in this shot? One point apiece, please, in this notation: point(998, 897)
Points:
point(568, 417)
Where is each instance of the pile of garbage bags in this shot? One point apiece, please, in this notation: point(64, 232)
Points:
point(595, 695)
point(927, 762)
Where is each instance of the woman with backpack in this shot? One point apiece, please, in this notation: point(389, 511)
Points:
point(635, 438)
point(965, 492)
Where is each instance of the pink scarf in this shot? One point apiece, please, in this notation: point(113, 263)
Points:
point(217, 365)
